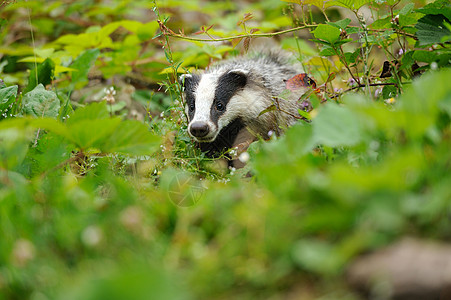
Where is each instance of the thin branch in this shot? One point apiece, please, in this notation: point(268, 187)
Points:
point(363, 85)
point(167, 32)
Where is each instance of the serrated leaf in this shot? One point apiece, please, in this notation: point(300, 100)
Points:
point(7, 94)
point(442, 7)
point(431, 29)
point(43, 74)
point(351, 4)
point(327, 33)
point(41, 103)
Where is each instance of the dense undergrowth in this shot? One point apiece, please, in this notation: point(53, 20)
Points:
point(103, 195)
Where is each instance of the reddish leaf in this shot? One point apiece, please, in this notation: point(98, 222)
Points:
point(236, 42)
point(246, 18)
point(299, 81)
point(246, 43)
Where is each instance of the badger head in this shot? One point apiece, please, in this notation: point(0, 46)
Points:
point(214, 101)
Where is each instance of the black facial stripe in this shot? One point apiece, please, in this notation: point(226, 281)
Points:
point(190, 85)
point(228, 85)
point(224, 140)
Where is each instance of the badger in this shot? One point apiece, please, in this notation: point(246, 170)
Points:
point(229, 97)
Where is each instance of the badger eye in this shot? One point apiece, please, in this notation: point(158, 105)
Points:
point(220, 106)
point(191, 107)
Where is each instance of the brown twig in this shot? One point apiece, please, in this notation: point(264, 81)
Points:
point(361, 86)
point(168, 32)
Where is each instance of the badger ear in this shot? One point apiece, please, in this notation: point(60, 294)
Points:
point(240, 72)
point(238, 76)
point(185, 79)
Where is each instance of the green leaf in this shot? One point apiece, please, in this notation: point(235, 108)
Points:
point(131, 137)
point(92, 133)
point(327, 33)
point(381, 23)
point(83, 64)
point(431, 29)
point(432, 56)
point(13, 147)
point(340, 24)
point(351, 4)
point(43, 74)
point(272, 107)
point(440, 7)
point(304, 114)
point(7, 96)
point(351, 56)
point(93, 111)
point(41, 103)
point(336, 126)
point(147, 31)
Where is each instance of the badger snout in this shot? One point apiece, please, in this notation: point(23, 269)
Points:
point(199, 129)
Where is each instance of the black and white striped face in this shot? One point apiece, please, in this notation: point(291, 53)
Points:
point(213, 101)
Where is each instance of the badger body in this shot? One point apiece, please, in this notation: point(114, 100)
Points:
point(229, 97)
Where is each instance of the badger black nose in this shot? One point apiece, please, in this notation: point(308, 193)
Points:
point(199, 129)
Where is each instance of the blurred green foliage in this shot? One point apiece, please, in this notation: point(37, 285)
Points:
point(103, 195)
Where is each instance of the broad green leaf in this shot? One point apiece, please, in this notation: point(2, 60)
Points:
point(82, 65)
point(92, 133)
point(442, 58)
point(431, 29)
point(43, 74)
point(13, 147)
point(351, 4)
point(440, 7)
point(131, 137)
point(337, 126)
point(93, 111)
point(327, 33)
point(7, 95)
point(41, 103)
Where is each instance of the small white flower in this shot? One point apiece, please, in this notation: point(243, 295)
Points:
point(434, 66)
point(244, 157)
point(270, 133)
point(91, 236)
